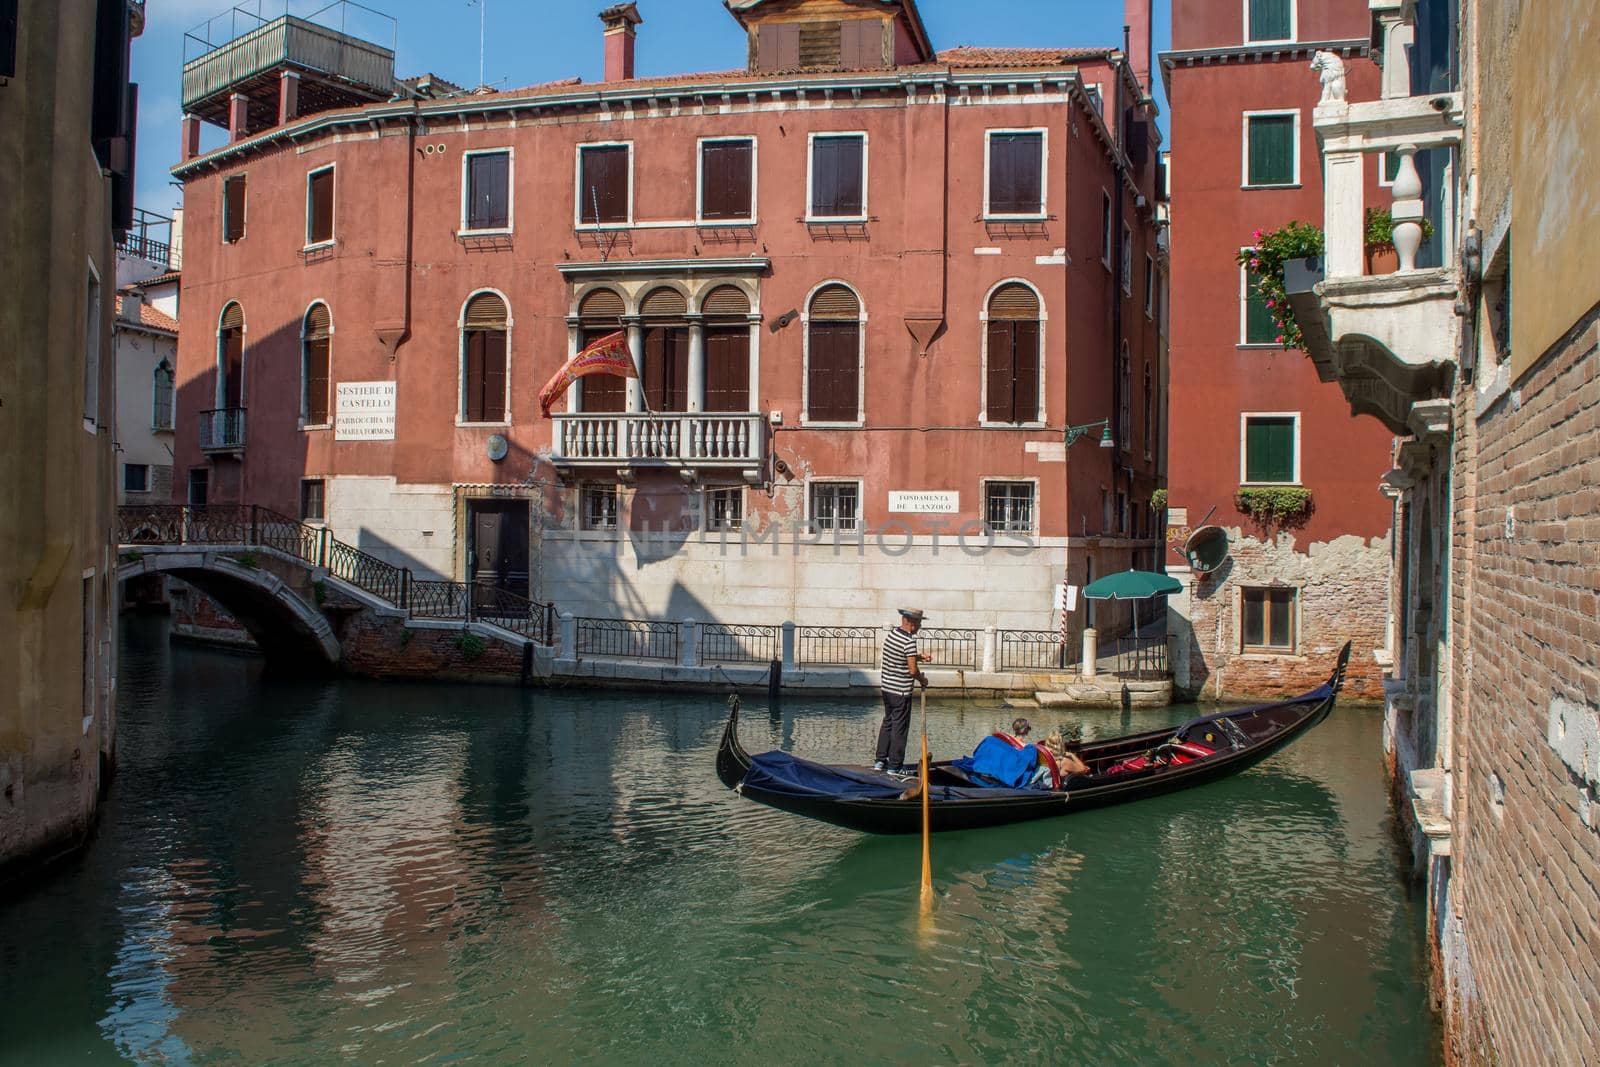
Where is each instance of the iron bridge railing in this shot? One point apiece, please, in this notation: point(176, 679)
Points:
point(629, 638)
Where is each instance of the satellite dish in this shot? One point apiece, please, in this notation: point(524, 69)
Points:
point(1206, 548)
point(496, 447)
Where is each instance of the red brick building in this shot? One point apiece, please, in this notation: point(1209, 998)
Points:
point(867, 285)
point(1245, 413)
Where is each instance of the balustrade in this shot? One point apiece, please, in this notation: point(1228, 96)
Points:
point(658, 438)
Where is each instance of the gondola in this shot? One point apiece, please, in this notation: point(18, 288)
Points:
point(1122, 769)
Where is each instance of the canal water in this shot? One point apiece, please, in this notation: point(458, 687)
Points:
point(291, 872)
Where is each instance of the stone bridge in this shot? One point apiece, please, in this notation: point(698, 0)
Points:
point(310, 600)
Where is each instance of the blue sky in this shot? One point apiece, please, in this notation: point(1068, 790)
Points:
point(530, 41)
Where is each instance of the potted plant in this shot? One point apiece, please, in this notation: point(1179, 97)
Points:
point(1379, 241)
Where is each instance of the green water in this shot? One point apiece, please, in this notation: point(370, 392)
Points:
point(310, 873)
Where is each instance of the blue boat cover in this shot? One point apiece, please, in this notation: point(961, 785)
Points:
point(780, 772)
point(999, 762)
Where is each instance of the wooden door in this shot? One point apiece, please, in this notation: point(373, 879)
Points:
point(497, 549)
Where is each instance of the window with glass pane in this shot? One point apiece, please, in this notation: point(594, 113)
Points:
point(838, 167)
point(1271, 150)
point(136, 477)
point(161, 396)
point(724, 508)
point(199, 485)
point(603, 184)
point(1267, 619)
point(1016, 173)
point(1269, 449)
point(599, 507)
point(1270, 20)
point(312, 491)
point(835, 505)
point(1105, 228)
point(1260, 328)
point(319, 206)
point(489, 191)
point(1008, 507)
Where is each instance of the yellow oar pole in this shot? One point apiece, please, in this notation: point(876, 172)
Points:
point(927, 861)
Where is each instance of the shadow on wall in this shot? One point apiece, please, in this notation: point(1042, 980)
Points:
point(1211, 587)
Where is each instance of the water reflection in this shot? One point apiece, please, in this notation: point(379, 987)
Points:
point(305, 873)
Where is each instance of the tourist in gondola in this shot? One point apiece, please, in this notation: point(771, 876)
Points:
point(899, 671)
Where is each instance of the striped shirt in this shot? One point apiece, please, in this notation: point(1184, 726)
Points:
point(896, 647)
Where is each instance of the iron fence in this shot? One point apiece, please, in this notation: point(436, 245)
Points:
point(1035, 650)
point(632, 638)
point(431, 599)
point(222, 429)
point(732, 643)
point(838, 646)
point(951, 649)
point(512, 611)
point(1146, 657)
point(378, 577)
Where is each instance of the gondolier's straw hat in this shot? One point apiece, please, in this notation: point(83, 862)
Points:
point(914, 614)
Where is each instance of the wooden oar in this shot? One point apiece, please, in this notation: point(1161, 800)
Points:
point(927, 862)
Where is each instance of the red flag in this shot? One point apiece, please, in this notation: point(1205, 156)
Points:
point(608, 355)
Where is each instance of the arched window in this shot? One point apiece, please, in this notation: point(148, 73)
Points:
point(161, 396)
point(727, 314)
point(601, 313)
point(316, 333)
point(666, 350)
point(1149, 410)
point(483, 359)
point(833, 356)
point(230, 357)
point(1012, 374)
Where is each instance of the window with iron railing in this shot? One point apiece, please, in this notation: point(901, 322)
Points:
point(725, 508)
point(1008, 507)
point(836, 505)
point(599, 507)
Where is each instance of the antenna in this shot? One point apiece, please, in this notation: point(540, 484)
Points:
point(483, 15)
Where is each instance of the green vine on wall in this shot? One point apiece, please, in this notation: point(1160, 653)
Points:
point(1275, 505)
point(470, 644)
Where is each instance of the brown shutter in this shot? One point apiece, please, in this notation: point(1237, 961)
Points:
point(726, 300)
point(494, 376)
point(319, 227)
point(472, 384)
point(835, 303)
point(861, 43)
point(1025, 362)
point(317, 379)
point(603, 306)
point(233, 204)
point(1001, 377)
point(836, 171)
point(604, 188)
point(318, 321)
point(233, 317)
point(778, 46)
point(833, 372)
point(233, 366)
point(1015, 173)
point(725, 168)
point(1014, 302)
point(727, 368)
point(486, 311)
point(664, 303)
point(666, 369)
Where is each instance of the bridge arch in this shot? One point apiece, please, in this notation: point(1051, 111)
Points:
point(278, 619)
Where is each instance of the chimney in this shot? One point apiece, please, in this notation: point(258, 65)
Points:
point(128, 306)
point(619, 20)
point(1139, 19)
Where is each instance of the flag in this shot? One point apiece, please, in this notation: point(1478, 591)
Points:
point(608, 355)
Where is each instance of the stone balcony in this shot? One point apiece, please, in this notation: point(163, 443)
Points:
point(687, 441)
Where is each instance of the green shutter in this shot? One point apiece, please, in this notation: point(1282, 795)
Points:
point(1269, 20)
point(1260, 328)
point(1272, 150)
point(1269, 450)
point(1391, 166)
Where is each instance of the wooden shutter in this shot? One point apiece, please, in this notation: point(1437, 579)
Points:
point(664, 303)
point(233, 317)
point(603, 306)
point(1269, 450)
point(820, 43)
point(1025, 367)
point(604, 188)
point(486, 311)
point(835, 303)
point(725, 168)
point(727, 368)
point(1260, 328)
point(473, 373)
point(1016, 164)
point(233, 365)
point(317, 380)
point(726, 301)
point(1013, 302)
point(602, 392)
point(778, 46)
point(861, 43)
point(488, 191)
point(666, 369)
point(1001, 376)
point(836, 170)
point(833, 372)
point(319, 322)
point(233, 206)
point(1272, 150)
point(1269, 20)
point(494, 375)
point(319, 226)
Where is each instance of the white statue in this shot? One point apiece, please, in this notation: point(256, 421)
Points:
point(1331, 68)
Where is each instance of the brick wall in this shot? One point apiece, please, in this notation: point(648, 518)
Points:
point(1343, 592)
point(1527, 819)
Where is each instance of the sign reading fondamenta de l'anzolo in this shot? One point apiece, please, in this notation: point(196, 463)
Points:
point(365, 412)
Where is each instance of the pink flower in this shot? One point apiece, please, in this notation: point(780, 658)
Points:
point(1280, 338)
point(1258, 235)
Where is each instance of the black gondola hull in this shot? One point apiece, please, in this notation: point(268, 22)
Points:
point(904, 816)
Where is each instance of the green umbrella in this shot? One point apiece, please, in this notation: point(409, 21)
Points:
point(1135, 586)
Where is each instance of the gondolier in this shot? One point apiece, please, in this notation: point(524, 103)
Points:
point(898, 672)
